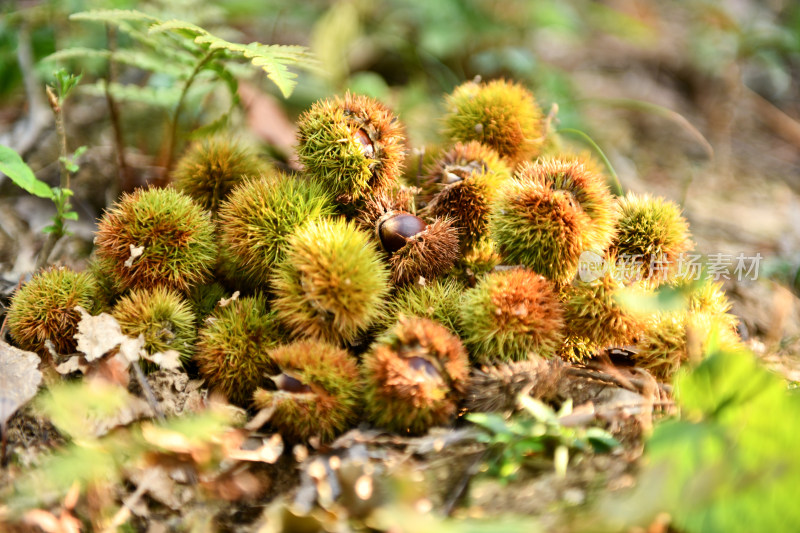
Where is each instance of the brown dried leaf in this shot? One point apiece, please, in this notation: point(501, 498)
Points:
point(19, 379)
point(98, 335)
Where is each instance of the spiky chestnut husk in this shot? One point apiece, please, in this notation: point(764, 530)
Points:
point(425, 254)
point(176, 234)
point(462, 185)
point(44, 309)
point(415, 249)
point(233, 348)
point(671, 339)
point(210, 169)
point(707, 296)
point(109, 288)
point(652, 231)
point(480, 260)
point(497, 388)
point(162, 316)
point(500, 114)
point(332, 283)
point(318, 391)
point(352, 145)
point(203, 299)
point(539, 227)
point(577, 348)
point(588, 188)
point(414, 376)
point(591, 311)
point(438, 301)
point(511, 315)
point(259, 216)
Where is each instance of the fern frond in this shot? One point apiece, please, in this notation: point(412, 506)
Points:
point(113, 16)
point(147, 61)
point(273, 59)
point(165, 97)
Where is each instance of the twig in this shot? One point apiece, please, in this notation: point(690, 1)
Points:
point(785, 126)
point(55, 235)
point(148, 392)
point(173, 131)
point(127, 504)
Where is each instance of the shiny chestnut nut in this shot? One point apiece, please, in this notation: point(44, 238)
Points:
point(286, 383)
point(365, 144)
point(397, 229)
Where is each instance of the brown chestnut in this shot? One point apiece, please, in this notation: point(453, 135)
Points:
point(367, 148)
point(287, 383)
point(396, 230)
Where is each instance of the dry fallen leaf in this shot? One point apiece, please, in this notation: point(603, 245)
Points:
point(98, 335)
point(169, 360)
point(19, 379)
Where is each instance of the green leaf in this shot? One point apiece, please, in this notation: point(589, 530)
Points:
point(537, 409)
point(273, 59)
point(12, 165)
point(601, 440)
point(70, 215)
point(491, 421)
point(113, 16)
point(166, 97)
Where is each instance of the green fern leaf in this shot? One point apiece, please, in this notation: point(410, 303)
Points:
point(274, 59)
point(113, 16)
point(166, 97)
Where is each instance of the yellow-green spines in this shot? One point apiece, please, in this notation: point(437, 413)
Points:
point(480, 260)
point(437, 300)
point(588, 188)
point(157, 238)
point(652, 233)
point(671, 339)
point(332, 283)
point(540, 227)
point(259, 216)
point(317, 391)
point(44, 309)
point(233, 348)
point(352, 145)
point(414, 376)
point(463, 183)
point(210, 169)
point(203, 299)
point(511, 315)
point(592, 311)
point(162, 316)
point(500, 114)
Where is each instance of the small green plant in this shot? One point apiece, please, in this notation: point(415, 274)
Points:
point(20, 173)
point(536, 432)
point(186, 53)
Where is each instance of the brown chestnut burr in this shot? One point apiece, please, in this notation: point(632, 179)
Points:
point(395, 230)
